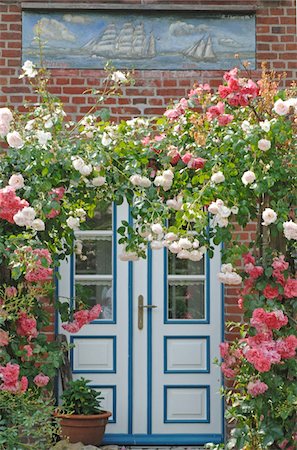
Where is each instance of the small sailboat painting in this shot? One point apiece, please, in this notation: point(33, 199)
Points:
point(202, 50)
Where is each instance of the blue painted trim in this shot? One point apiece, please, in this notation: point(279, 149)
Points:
point(189, 386)
point(114, 398)
point(114, 272)
point(114, 345)
point(206, 320)
point(222, 339)
point(130, 338)
point(72, 284)
point(162, 439)
point(206, 370)
point(149, 341)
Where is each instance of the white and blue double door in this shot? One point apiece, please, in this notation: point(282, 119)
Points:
point(150, 352)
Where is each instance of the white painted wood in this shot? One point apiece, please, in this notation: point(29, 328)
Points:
point(95, 353)
point(161, 379)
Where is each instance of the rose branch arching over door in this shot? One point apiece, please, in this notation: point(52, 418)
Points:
point(150, 352)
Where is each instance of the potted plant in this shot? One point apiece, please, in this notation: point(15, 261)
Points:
point(81, 418)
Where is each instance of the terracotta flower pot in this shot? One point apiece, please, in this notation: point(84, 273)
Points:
point(88, 429)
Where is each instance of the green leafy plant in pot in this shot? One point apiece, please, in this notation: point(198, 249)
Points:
point(81, 418)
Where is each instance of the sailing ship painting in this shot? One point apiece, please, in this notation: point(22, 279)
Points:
point(202, 50)
point(145, 40)
point(130, 42)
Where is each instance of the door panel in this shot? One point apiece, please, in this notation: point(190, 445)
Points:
point(158, 381)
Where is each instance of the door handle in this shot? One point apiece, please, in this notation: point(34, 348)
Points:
point(141, 307)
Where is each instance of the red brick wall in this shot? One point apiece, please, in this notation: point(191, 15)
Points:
point(276, 44)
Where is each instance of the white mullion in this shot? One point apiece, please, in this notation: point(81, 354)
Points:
point(186, 277)
point(93, 277)
point(93, 234)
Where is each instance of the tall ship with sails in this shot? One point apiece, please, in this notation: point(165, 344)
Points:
point(202, 50)
point(130, 42)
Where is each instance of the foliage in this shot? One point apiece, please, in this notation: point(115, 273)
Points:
point(26, 422)
point(79, 398)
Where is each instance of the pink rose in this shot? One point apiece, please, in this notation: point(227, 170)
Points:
point(41, 380)
point(270, 292)
point(224, 349)
point(280, 264)
point(196, 163)
point(26, 326)
point(287, 347)
point(94, 312)
point(11, 291)
point(4, 338)
point(256, 388)
point(71, 327)
point(187, 158)
point(224, 119)
point(290, 290)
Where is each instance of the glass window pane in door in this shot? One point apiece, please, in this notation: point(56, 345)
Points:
point(186, 300)
point(94, 292)
point(99, 257)
point(184, 266)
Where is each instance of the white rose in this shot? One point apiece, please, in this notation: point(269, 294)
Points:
point(222, 221)
point(86, 169)
point(248, 177)
point(168, 174)
point(175, 203)
point(29, 125)
point(185, 243)
point(218, 177)
point(234, 209)
point(81, 213)
point(128, 256)
point(290, 230)
point(78, 162)
point(78, 247)
point(292, 102)
point(29, 214)
point(213, 208)
point(29, 70)
point(145, 182)
point(269, 216)
point(43, 137)
point(73, 223)
point(264, 145)
point(4, 129)
point(14, 140)
point(119, 77)
point(230, 278)
point(224, 211)
point(156, 245)
point(183, 254)
point(174, 247)
point(167, 184)
point(281, 108)
point(227, 268)
point(98, 181)
point(38, 225)
point(135, 179)
point(157, 228)
point(265, 125)
point(246, 126)
point(170, 237)
point(5, 115)
point(48, 124)
point(106, 140)
point(159, 180)
point(196, 244)
point(16, 181)
point(19, 219)
point(195, 255)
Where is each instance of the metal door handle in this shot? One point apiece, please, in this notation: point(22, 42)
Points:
point(141, 306)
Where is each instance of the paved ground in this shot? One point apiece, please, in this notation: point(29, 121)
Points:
point(64, 445)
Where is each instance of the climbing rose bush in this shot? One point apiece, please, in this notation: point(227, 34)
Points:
point(213, 162)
